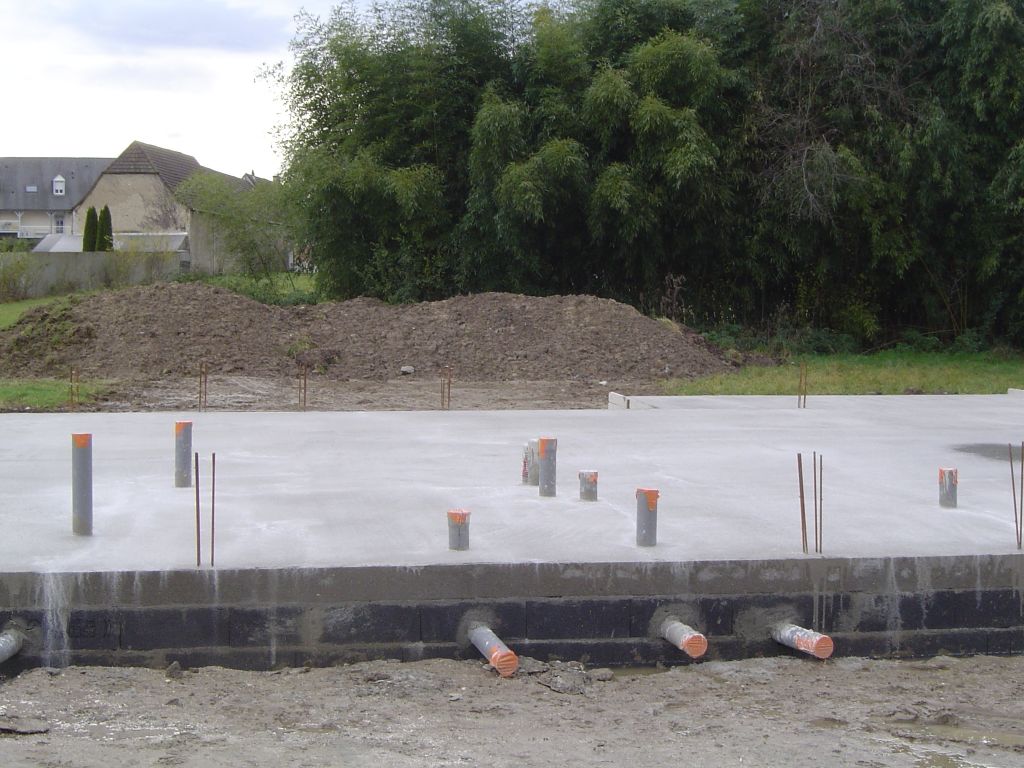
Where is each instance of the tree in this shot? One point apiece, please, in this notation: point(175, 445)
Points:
point(90, 230)
point(104, 231)
point(846, 164)
point(251, 222)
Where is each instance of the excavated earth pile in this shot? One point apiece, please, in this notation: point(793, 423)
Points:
point(167, 331)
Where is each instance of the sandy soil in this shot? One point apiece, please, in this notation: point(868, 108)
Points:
point(939, 713)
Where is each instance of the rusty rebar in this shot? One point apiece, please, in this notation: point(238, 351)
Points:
point(74, 389)
point(199, 561)
point(1013, 489)
point(303, 385)
point(803, 508)
point(447, 374)
point(821, 504)
point(213, 505)
point(204, 377)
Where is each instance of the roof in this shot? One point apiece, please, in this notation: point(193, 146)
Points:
point(172, 167)
point(19, 174)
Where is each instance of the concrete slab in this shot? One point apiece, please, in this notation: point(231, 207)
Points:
point(352, 489)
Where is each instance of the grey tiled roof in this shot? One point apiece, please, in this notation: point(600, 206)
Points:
point(172, 167)
point(18, 174)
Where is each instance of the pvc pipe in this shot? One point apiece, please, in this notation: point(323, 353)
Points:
point(547, 448)
point(532, 466)
point(495, 651)
point(947, 487)
point(646, 517)
point(458, 529)
point(81, 484)
point(805, 640)
point(183, 454)
point(11, 641)
point(685, 638)
point(588, 485)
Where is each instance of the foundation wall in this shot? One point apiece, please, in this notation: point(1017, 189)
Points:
point(600, 613)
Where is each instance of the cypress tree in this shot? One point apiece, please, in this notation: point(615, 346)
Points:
point(105, 231)
point(90, 231)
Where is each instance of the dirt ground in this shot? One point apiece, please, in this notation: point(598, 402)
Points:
point(507, 352)
point(939, 713)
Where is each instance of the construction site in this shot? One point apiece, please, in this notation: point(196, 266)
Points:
point(756, 578)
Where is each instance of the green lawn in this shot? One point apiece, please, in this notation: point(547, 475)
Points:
point(41, 394)
point(12, 310)
point(886, 373)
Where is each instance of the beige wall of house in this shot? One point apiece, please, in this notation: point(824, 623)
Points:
point(34, 223)
point(138, 203)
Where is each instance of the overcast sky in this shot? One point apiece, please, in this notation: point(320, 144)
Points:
point(85, 79)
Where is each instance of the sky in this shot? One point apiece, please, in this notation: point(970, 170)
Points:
point(85, 79)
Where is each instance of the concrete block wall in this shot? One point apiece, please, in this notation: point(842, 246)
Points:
point(599, 613)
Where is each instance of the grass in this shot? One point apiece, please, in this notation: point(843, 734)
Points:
point(282, 288)
point(41, 394)
point(11, 311)
point(884, 373)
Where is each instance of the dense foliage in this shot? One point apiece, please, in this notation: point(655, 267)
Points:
point(104, 230)
point(90, 230)
point(847, 164)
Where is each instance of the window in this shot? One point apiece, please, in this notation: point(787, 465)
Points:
point(58, 224)
point(58, 186)
point(31, 188)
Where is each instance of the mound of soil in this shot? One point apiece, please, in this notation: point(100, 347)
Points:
point(169, 330)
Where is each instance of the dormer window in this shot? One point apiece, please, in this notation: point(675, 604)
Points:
point(58, 186)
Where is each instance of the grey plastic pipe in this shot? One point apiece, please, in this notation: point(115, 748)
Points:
point(11, 641)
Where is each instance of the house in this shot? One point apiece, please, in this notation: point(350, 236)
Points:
point(139, 187)
point(39, 196)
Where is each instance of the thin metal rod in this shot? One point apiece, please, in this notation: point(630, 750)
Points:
point(1013, 488)
point(199, 562)
point(803, 508)
point(821, 504)
point(213, 505)
point(814, 491)
point(1020, 517)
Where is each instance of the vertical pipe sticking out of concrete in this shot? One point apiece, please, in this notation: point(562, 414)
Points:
point(183, 454)
point(495, 651)
point(547, 447)
point(947, 487)
point(685, 638)
point(81, 484)
point(804, 640)
point(533, 466)
point(458, 529)
point(646, 517)
point(588, 485)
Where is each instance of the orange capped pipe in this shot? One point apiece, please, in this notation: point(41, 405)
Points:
point(458, 529)
point(948, 478)
point(81, 484)
point(183, 454)
point(804, 640)
point(495, 651)
point(547, 450)
point(646, 517)
point(685, 638)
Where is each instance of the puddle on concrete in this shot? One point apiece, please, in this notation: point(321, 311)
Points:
point(995, 451)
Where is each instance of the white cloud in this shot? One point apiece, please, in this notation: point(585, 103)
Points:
point(92, 77)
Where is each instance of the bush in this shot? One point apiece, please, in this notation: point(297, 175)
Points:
point(16, 272)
